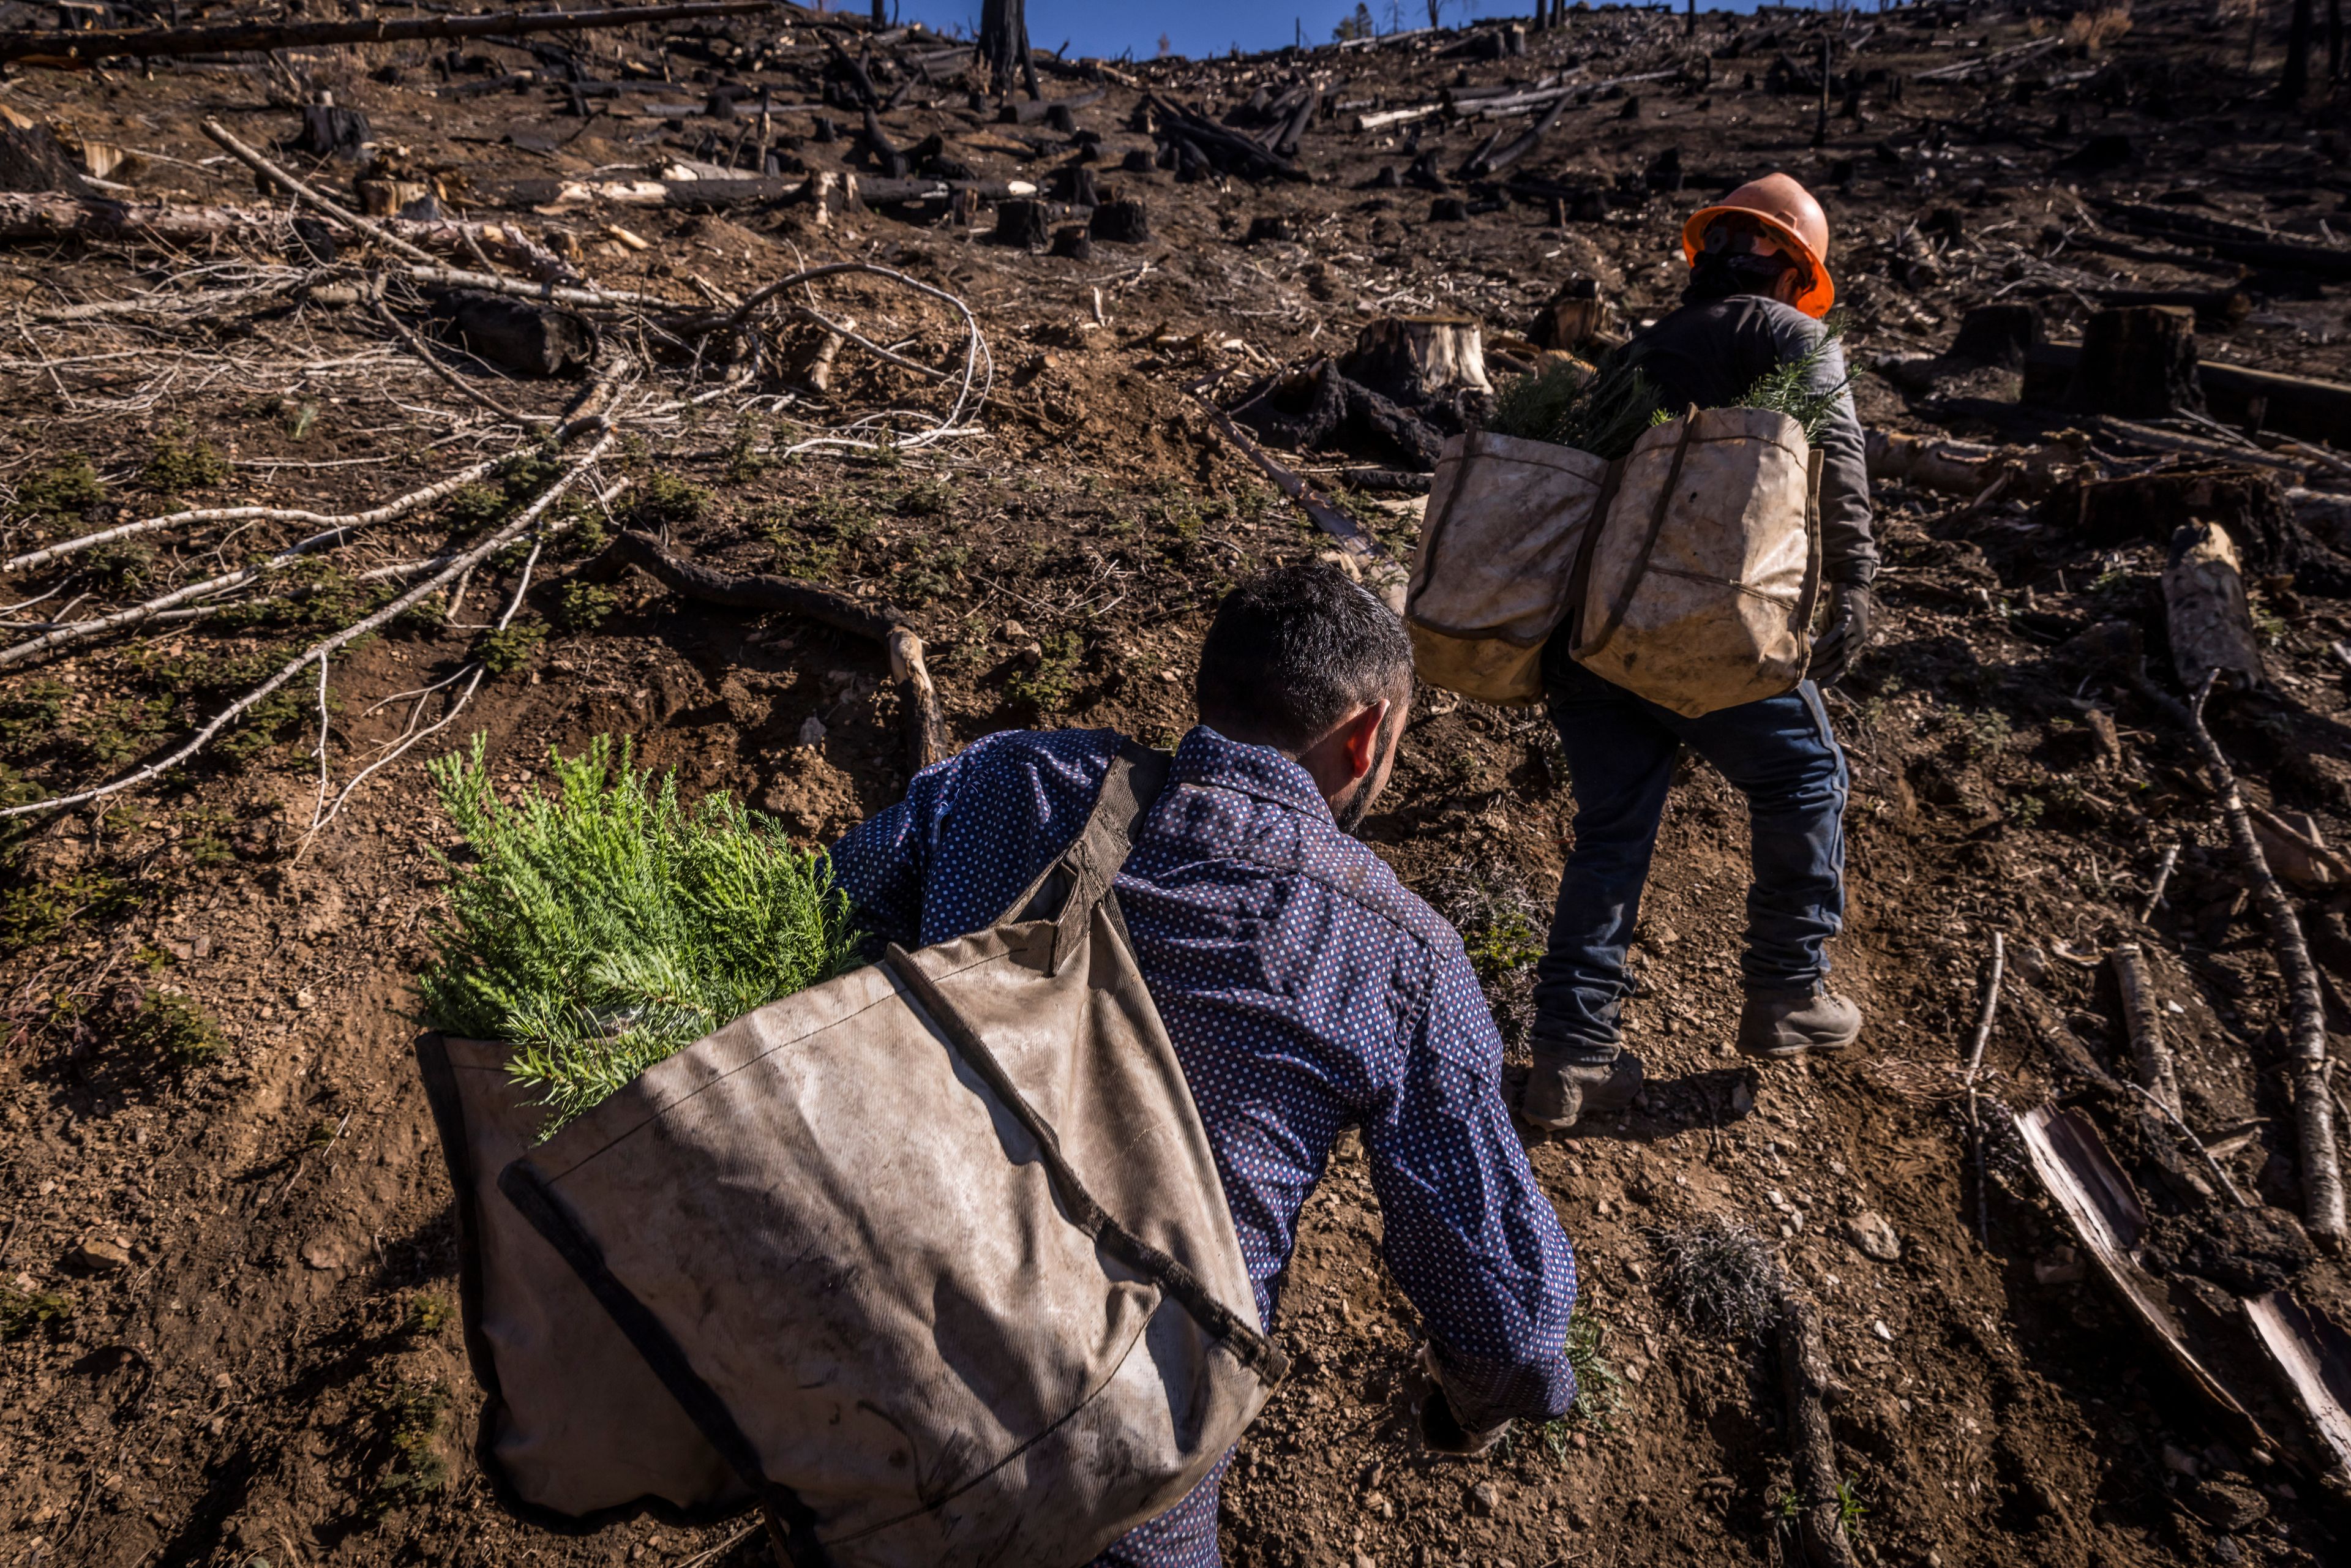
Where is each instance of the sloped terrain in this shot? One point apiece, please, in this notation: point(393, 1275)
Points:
point(227, 1271)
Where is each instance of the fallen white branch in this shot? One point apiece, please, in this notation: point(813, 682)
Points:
point(319, 650)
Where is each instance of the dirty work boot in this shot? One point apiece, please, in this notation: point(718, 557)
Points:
point(1781, 1026)
point(1571, 1082)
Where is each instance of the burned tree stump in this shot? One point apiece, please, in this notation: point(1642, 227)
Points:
point(330, 131)
point(1999, 335)
point(33, 160)
point(1072, 240)
point(1022, 222)
point(1416, 359)
point(1121, 222)
point(2204, 607)
point(1572, 317)
point(1271, 226)
point(519, 337)
point(2138, 362)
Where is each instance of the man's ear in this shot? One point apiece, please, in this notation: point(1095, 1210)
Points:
point(1361, 741)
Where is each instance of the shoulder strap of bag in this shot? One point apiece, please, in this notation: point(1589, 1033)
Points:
point(1579, 576)
point(1067, 891)
point(1631, 583)
point(1252, 1349)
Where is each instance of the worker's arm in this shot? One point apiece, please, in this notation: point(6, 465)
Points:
point(1467, 1232)
point(1848, 548)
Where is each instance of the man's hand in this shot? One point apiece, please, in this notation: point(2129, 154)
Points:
point(1849, 613)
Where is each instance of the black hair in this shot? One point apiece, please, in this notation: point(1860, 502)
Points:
point(1718, 275)
point(1295, 650)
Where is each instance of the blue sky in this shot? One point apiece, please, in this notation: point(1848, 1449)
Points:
point(1108, 27)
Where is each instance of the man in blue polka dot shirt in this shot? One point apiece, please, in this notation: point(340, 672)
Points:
point(1305, 989)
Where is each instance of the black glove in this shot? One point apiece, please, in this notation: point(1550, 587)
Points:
point(1848, 629)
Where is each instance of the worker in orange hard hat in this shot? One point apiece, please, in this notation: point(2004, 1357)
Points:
point(1759, 285)
point(1774, 231)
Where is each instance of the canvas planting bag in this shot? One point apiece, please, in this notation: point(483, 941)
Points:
point(934, 1256)
point(1703, 576)
point(1506, 523)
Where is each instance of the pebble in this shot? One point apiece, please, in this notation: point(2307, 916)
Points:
point(1871, 1232)
point(1013, 631)
point(1882, 1332)
point(811, 731)
point(323, 1252)
point(1484, 1500)
point(100, 1255)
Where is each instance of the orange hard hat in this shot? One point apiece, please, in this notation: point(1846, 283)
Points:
point(1792, 215)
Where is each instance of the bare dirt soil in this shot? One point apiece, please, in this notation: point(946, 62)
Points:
point(226, 1264)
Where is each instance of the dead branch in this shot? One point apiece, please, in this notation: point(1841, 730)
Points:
point(746, 591)
point(399, 506)
point(67, 51)
point(927, 732)
point(1808, 1385)
point(2149, 1050)
point(328, 645)
point(1381, 572)
point(2322, 1175)
point(1975, 1065)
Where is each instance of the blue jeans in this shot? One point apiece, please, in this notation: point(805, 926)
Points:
point(1621, 751)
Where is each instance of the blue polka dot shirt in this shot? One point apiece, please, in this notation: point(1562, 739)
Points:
point(1305, 989)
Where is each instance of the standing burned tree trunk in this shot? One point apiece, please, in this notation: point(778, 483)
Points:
point(2294, 81)
point(1003, 44)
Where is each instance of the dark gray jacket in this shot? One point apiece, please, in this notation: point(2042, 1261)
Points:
point(1709, 354)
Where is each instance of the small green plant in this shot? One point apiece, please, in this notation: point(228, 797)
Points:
point(410, 1416)
point(470, 508)
point(23, 1311)
point(64, 489)
point(506, 648)
point(2025, 810)
point(180, 465)
point(1048, 687)
point(1850, 1509)
point(303, 415)
point(828, 529)
point(924, 498)
point(29, 715)
point(1787, 1508)
point(119, 729)
point(169, 1025)
point(745, 461)
point(604, 927)
point(428, 1314)
point(930, 575)
point(1983, 732)
point(665, 501)
point(33, 912)
point(583, 607)
point(1599, 1390)
point(126, 563)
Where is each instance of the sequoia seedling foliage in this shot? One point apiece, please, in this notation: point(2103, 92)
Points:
point(603, 927)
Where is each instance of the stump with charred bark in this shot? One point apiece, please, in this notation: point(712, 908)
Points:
point(2204, 607)
point(1123, 221)
point(1418, 360)
point(1022, 222)
point(519, 336)
point(1999, 335)
point(2138, 362)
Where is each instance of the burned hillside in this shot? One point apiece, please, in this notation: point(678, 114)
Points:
point(779, 392)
